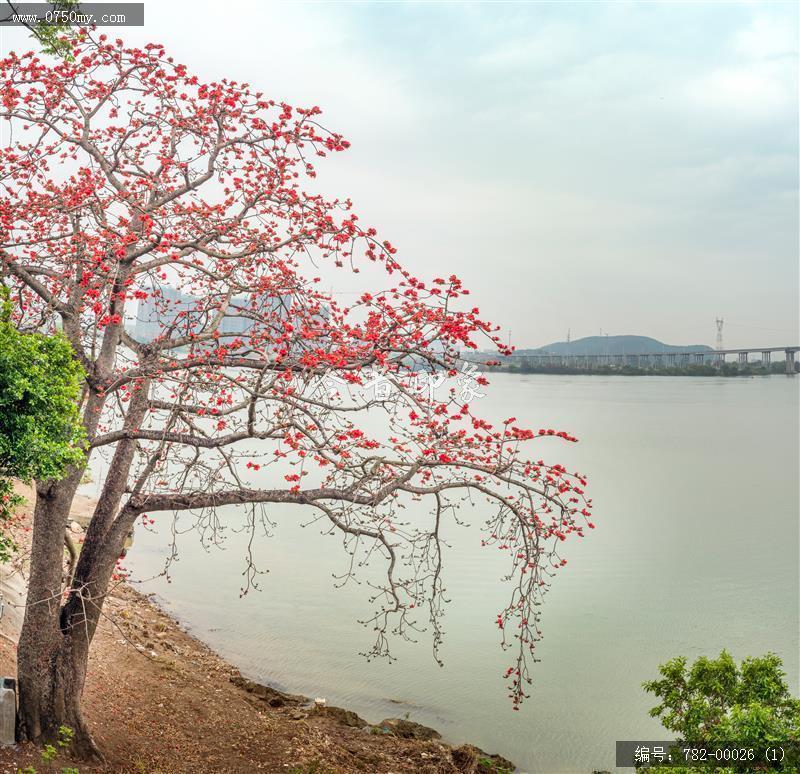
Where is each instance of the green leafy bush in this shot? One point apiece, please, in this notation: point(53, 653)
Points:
point(717, 700)
point(41, 434)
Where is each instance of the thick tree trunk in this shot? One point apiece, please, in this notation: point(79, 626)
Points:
point(53, 651)
point(51, 661)
point(50, 697)
point(54, 644)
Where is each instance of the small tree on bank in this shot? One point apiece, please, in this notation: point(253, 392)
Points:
point(132, 183)
point(717, 701)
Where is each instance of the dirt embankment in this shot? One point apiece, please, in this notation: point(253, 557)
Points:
point(158, 700)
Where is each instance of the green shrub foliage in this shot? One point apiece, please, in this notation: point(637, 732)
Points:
point(41, 434)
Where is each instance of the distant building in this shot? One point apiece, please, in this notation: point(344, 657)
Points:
point(168, 308)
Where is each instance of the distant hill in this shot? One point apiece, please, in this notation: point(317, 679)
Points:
point(613, 345)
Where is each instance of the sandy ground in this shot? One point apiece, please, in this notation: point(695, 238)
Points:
point(157, 700)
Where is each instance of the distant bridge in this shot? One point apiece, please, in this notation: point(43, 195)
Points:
point(715, 357)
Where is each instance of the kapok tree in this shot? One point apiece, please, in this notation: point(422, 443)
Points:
point(131, 187)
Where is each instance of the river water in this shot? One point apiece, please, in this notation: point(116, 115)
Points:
point(695, 483)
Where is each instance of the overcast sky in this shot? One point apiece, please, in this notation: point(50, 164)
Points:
point(616, 166)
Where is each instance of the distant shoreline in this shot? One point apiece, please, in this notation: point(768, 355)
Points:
point(726, 371)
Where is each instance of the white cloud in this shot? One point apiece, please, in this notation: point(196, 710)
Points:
point(758, 90)
point(549, 46)
point(767, 37)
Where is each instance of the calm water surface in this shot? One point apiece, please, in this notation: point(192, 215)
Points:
point(695, 482)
